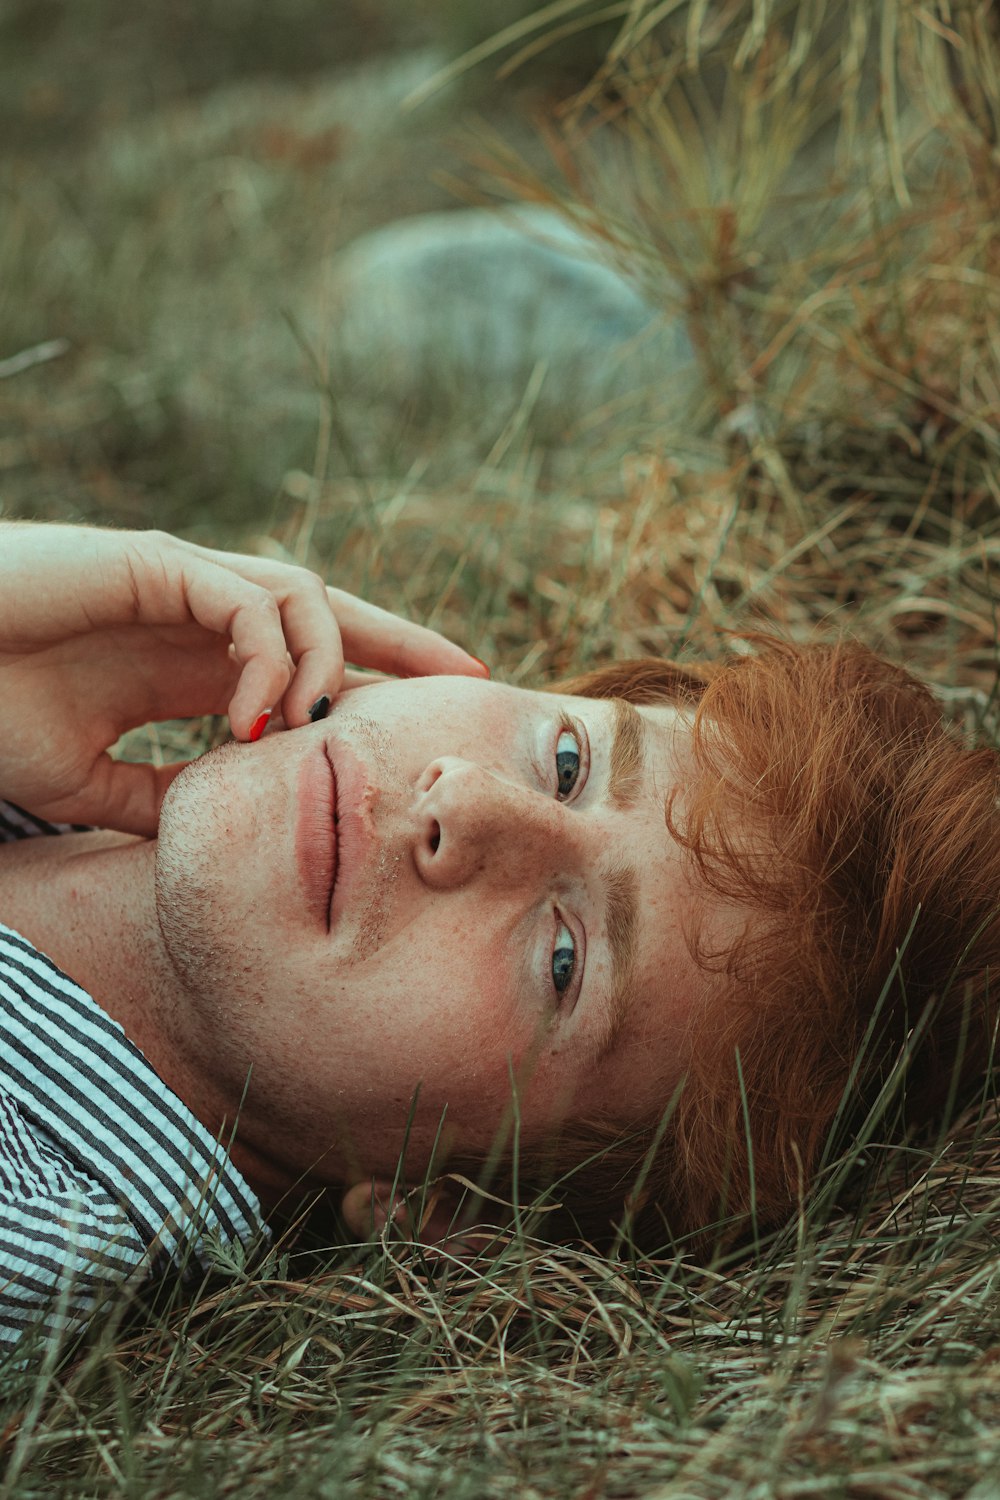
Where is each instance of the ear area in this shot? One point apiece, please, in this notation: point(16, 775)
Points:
point(369, 1206)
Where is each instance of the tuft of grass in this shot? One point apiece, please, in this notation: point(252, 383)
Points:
point(852, 1354)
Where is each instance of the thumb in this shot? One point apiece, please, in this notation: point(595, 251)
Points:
point(118, 795)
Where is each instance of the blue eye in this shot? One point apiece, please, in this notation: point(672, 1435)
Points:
point(563, 959)
point(567, 761)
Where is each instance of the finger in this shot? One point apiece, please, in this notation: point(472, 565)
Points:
point(312, 636)
point(352, 679)
point(250, 616)
point(119, 795)
point(309, 636)
point(373, 637)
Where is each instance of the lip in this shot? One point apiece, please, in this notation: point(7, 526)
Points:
point(316, 834)
point(354, 833)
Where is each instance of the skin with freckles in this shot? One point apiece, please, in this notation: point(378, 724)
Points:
point(507, 902)
point(470, 883)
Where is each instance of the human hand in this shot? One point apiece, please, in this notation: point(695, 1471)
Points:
point(103, 631)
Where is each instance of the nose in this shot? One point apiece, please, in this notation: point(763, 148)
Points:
point(474, 825)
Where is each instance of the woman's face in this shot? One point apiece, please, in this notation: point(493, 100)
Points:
point(507, 903)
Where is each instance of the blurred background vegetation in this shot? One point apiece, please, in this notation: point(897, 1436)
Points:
point(810, 189)
point(175, 180)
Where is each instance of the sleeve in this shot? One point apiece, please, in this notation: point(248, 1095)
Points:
point(64, 1242)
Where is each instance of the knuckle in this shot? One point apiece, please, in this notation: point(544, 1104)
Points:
point(262, 602)
point(310, 584)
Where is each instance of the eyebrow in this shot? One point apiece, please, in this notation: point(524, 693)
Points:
point(623, 927)
point(625, 773)
point(622, 884)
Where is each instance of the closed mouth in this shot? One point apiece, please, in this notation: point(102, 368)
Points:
point(316, 834)
point(334, 820)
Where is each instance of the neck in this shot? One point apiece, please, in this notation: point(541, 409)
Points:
point(87, 901)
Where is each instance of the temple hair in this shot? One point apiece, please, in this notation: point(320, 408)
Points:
point(829, 801)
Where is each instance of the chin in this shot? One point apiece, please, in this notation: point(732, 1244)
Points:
point(197, 874)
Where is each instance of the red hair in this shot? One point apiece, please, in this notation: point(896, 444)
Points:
point(829, 798)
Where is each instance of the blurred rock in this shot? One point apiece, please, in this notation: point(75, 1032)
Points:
point(452, 310)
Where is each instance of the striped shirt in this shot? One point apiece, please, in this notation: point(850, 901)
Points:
point(106, 1177)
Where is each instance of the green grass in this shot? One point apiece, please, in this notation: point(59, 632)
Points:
point(850, 1356)
point(833, 464)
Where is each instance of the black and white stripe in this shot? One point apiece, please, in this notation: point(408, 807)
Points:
point(106, 1177)
point(15, 823)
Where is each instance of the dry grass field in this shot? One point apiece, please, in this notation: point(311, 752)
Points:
point(813, 186)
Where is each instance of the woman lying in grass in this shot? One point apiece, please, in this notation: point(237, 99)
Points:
point(735, 892)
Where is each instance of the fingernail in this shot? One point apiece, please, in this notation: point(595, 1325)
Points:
point(259, 725)
point(482, 664)
point(320, 708)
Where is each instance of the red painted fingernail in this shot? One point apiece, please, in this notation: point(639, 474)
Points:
point(482, 664)
point(259, 725)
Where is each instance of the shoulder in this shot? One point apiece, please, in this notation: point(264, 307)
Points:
point(106, 1177)
point(73, 1072)
point(64, 1240)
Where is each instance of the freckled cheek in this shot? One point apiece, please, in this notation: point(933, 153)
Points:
point(449, 999)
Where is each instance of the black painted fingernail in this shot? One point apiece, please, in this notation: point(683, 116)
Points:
point(320, 708)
